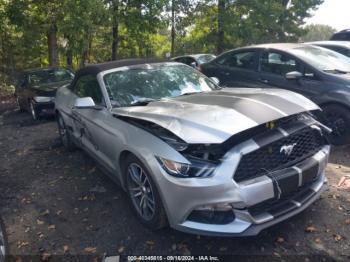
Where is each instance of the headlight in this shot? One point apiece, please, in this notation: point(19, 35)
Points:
point(43, 99)
point(197, 168)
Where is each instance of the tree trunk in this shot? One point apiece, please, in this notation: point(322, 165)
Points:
point(115, 41)
point(173, 28)
point(52, 45)
point(69, 52)
point(221, 32)
point(115, 31)
point(69, 58)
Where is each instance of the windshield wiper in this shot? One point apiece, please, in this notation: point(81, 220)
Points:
point(336, 71)
point(142, 101)
point(191, 93)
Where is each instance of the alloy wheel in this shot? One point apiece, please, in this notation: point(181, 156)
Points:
point(141, 192)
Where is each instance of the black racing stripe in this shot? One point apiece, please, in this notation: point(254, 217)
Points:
point(309, 170)
point(257, 112)
point(262, 139)
point(274, 100)
point(285, 180)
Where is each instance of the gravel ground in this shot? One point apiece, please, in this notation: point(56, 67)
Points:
point(58, 204)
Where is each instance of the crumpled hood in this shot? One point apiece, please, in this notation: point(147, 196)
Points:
point(213, 117)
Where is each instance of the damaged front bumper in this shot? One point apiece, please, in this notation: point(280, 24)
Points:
point(221, 206)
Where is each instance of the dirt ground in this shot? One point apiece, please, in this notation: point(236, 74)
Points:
point(58, 203)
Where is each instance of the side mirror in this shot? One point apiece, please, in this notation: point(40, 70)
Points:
point(215, 80)
point(295, 75)
point(84, 102)
point(193, 64)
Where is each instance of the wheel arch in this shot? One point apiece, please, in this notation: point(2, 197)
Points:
point(121, 161)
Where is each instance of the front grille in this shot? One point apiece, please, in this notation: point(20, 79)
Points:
point(268, 158)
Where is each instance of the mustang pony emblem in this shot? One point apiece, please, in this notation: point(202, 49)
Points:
point(287, 149)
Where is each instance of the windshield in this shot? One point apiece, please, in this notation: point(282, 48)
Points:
point(47, 76)
point(323, 59)
point(131, 86)
point(205, 58)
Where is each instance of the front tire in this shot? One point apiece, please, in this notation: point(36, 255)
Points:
point(34, 111)
point(3, 243)
point(338, 118)
point(143, 194)
point(64, 134)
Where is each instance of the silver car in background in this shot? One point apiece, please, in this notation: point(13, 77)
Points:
point(202, 159)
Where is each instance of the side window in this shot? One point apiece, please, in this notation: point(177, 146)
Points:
point(87, 86)
point(276, 63)
point(339, 49)
point(189, 61)
point(244, 60)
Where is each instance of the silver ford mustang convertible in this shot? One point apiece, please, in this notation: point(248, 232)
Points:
point(202, 159)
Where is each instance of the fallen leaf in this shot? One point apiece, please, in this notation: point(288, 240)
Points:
point(347, 222)
point(121, 249)
point(280, 240)
point(150, 242)
point(90, 249)
point(44, 213)
point(45, 256)
point(318, 240)
point(337, 237)
point(344, 182)
point(65, 248)
point(22, 244)
point(310, 229)
point(51, 227)
point(39, 222)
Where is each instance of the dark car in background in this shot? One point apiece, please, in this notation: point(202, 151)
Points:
point(343, 35)
point(342, 47)
point(321, 75)
point(3, 242)
point(194, 60)
point(36, 89)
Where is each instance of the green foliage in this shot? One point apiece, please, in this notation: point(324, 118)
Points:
point(83, 30)
point(316, 32)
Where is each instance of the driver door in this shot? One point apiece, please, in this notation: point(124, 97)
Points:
point(274, 66)
point(89, 123)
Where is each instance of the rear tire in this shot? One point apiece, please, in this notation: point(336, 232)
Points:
point(65, 134)
point(143, 194)
point(338, 118)
point(21, 109)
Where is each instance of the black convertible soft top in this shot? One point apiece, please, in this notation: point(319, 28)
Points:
point(94, 69)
